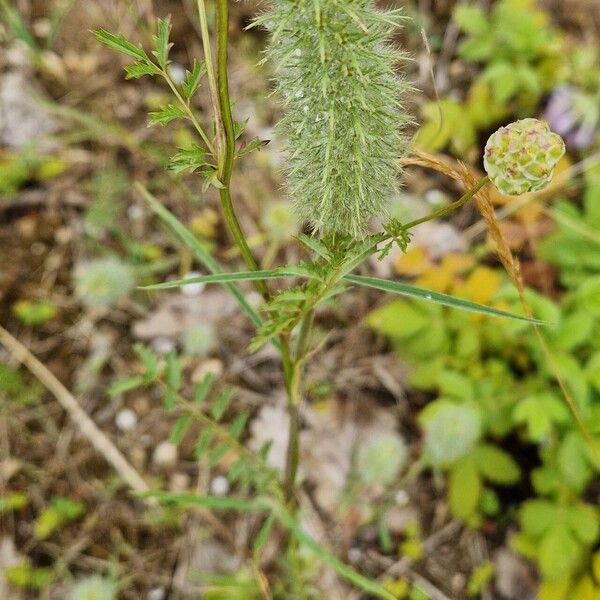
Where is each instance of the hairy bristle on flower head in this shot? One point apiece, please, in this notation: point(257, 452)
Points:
point(336, 76)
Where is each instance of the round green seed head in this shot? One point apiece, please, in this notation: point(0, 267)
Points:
point(522, 156)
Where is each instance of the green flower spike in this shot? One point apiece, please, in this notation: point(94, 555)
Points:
point(521, 157)
point(335, 74)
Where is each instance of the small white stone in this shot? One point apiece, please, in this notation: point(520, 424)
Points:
point(219, 486)
point(165, 455)
point(402, 498)
point(354, 555)
point(163, 345)
point(179, 482)
point(135, 212)
point(126, 419)
point(157, 593)
point(193, 289)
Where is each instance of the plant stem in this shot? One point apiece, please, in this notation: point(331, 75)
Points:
point(227, 146)
point(188, 111)
point(294, 397)
point(446, 210)
point(292, 366)
point(210, 68)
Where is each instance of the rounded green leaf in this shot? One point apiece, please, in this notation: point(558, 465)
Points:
point(496, 465)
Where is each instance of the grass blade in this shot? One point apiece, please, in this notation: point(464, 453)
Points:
point(403, 289)
point(337, 565)
point(221, 278)
point(202, 254)
point(213, 502)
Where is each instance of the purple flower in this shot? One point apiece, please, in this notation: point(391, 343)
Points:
point(575, 115)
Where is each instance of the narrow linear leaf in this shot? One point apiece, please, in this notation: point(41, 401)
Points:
point(126, 384)
point(263, 536)
point(314, 245)
point(215, 502)
point(203, 443)
point(202, 389)
point(180, 428)
point(173, 374)
point(237, 469)
point(202, 254)
point(17, 25)
point(221, 404)
point(218, 453)
point(337, 565)
point(120, 43)
point(149, 361)
point(403, 289)
point(170, 400)
point(239, 423)
point(221, 278)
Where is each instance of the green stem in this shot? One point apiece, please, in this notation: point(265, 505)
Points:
point(210, 68)
point(294, 397)
point(291, 366)
point(188, 111)
point(446, 210)
point(227, 153)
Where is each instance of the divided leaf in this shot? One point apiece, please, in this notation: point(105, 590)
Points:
point(165, 115)
point(120, 43)
point(192, 80)
point(161, 42)
point(141, 69)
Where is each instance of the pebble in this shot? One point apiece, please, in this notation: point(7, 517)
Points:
point(214, 366)
point(179, 482)
point(126, 419)
point(402, 498)
point(219, 486)
point(163, 345)
point(165, 455)
point(193, 289)
point(157, 593)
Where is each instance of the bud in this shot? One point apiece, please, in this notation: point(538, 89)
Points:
point(521, 157)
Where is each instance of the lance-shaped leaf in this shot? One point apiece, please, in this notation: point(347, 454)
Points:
point(403, 289)
point(194, 244)
point(223, 278)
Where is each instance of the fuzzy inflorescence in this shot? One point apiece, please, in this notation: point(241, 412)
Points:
point(343, 120)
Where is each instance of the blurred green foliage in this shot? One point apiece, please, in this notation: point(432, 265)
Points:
point(496, 393)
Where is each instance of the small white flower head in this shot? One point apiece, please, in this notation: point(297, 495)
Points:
point(101, 283)
point(199, 340)
point(193, 289)
point(451, 431)
point(522, 156)
point(94, 588)
point(380, 459)
point(279, 220)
